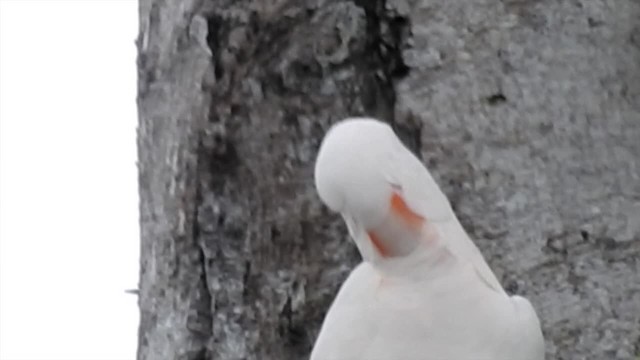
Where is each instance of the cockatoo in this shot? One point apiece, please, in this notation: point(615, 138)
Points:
point(423, 290)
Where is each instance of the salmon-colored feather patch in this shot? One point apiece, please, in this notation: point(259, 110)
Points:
point(377, 243)
point(402, 209)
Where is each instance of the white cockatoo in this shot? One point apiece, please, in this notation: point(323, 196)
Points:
point(423, 290)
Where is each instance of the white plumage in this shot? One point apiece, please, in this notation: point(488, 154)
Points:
point(423, 291)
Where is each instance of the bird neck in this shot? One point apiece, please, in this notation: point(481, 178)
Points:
point(427, 259)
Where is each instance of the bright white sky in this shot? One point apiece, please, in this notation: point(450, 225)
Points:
point(68, 182)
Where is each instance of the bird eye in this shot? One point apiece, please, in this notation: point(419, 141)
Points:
point(395, 186)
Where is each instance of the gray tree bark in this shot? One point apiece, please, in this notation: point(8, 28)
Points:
point(526, 112)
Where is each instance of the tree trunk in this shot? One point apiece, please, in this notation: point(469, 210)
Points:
point(526, 112)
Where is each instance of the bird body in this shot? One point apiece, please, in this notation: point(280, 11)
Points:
point(423, 290)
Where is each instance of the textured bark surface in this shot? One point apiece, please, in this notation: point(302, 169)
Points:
point(526, 112)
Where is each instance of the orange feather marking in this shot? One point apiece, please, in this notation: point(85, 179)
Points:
point(400, 208)
point(377, 243)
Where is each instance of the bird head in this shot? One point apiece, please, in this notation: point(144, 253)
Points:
point(365, 173)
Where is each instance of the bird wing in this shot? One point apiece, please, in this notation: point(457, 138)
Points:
point(529, 334)
point(424, 196)
point(346, 328)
